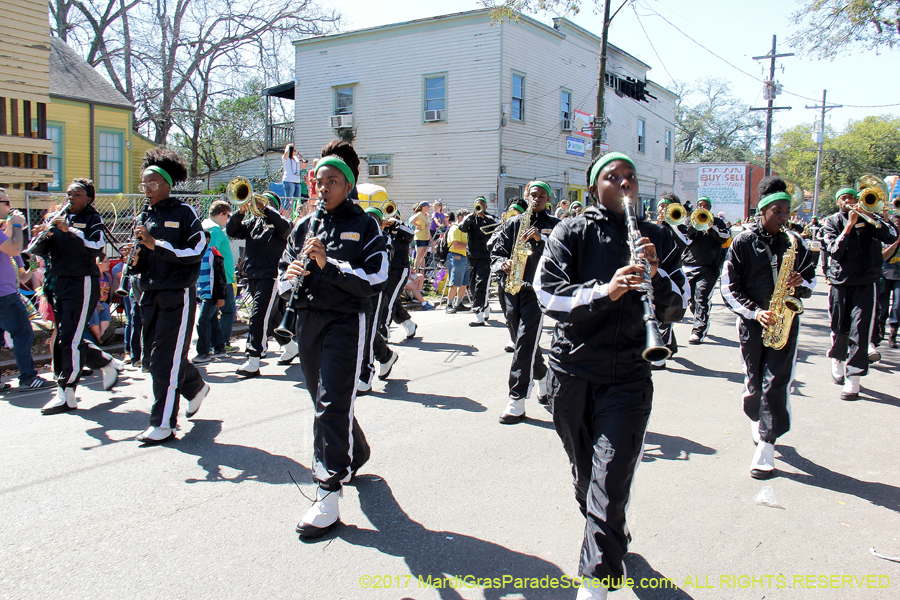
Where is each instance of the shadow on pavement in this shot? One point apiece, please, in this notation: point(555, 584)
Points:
point(252, 464)
point(720, 341)
point(396, 389)
point(659, 446)
point(879, 494)
point(107, 420)
point(438, 553)
point(452, 350)
point(665, 589)
point(696, 369)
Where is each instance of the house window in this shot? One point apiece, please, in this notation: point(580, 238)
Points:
point(668, 145)
point(343, 100)
point(518, 97)
point(436, 98)
point(642, 126)
point(54, 161)
point(110, 162)
point(565, 108)
point(510, 192)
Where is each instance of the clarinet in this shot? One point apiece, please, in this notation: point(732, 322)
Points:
point(126, 270)
point(39, 239)
point(655, 347)
point(289, 322)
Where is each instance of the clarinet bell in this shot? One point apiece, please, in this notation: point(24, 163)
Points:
point(656, 349)
point(288, 323)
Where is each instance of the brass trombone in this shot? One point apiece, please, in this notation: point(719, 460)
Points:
point(701, 219)
point(492, 227)
point(872, 196)
point(240, 191)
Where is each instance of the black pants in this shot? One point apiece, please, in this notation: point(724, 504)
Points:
point(501, 299)
point(264, 317)
point(331, 355)
point(74, 300)
point(768, 375)
point(168, 323)
point(882, 310)
point(602, 429)
point(376, 345)
point(391, 306)
point(667, 330)
point(852, 310)
point(703, 284)
point(479, 280)
point(524, 316)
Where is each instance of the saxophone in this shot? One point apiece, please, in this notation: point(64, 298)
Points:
point(783, 303)
point(520, 253)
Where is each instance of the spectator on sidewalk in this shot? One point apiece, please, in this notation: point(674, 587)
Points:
point(211, 290)
point(100, 318)
point(457, 264)
point(219, 213)
point(13, 316)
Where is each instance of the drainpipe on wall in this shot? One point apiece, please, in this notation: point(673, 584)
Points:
point(92, 142)
point(501, 198)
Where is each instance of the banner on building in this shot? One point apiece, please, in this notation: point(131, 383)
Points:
point(725, 186)
point(582, 124)
point(575, 146)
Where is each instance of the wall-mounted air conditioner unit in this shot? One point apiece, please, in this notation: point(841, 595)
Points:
point(341, 121)
point(379, 170)
point(434, 115)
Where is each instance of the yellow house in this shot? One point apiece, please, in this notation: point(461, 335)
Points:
point(90, 125)
point(24, 87)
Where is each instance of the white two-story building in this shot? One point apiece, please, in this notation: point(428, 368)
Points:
point(456, 107)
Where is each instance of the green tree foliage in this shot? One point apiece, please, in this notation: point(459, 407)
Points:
point(832, 26)
point(871, 145)
point(713, 126)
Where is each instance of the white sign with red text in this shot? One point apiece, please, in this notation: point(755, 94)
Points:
point(725, 186)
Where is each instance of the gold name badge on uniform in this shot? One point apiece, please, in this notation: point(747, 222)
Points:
point(546, 231)
point(350, 235)
point(172, 224)
point(79, 225)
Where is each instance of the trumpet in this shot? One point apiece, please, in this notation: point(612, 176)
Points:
point(895, 203)
point(675, 215)
point(240, 191)
point(389, 209)
point(701, 219)
point(872, 195)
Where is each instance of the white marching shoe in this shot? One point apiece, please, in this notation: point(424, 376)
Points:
point(195, 402)
point(850, 390)
point(155, 435)
point(322, 516)
point(514, 411)
point(289, 352)
point(754, 431)
point(763, 465)
point(110, 375)
point(250, 368)
point(543, 397)
point(63, 401)
point(486, 313)
point(409, 327)
point(115, 362)
point(510, 347)
point(874, 354)
point(477, 320)
point(384, 369)
point(837, 371)
point(363, 387)
point(587, 592)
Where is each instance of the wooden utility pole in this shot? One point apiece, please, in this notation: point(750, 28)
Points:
point(601, 84)
point(770, 94)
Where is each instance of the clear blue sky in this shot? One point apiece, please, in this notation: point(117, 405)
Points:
point(735, 31)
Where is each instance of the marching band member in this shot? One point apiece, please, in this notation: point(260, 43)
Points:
point(752, 268)
point(855, 260)
point(171, 246)
point(479, 259)
point(702, 261)
point(600, 387)
point(376, 347)
point(401, 236)
point(523, 314)
point(680, 231)
point(73, 243)
point(347, 265)
point(266, 237)
point(518, 205)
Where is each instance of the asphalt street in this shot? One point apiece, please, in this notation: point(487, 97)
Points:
point(86, 512)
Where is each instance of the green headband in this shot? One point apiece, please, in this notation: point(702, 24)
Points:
point(376, 211)
point(159, 171)
point(482, 198)
point(772, 198)
point(338, 163)
point(273, 197)
point(660, 203)
point(576, 203)
point(702, 198)
point(605, 160)
point(540, 184)
point(846, 190)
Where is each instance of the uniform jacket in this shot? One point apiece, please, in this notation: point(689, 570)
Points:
point(596, 338)
point(705, 247)
point(477, 245)
point(74, 254)
point(503, 246)
point(356, 267)
point(855, 258)
point(180, 245)
point(747, 279)
point(266, 240)
point(401, 236)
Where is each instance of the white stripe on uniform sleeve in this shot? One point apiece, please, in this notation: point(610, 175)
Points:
point(98, 245)
point(197, 250)
point(730, 298)
point(376, 278)
point(564, 304)
point(684, 291)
